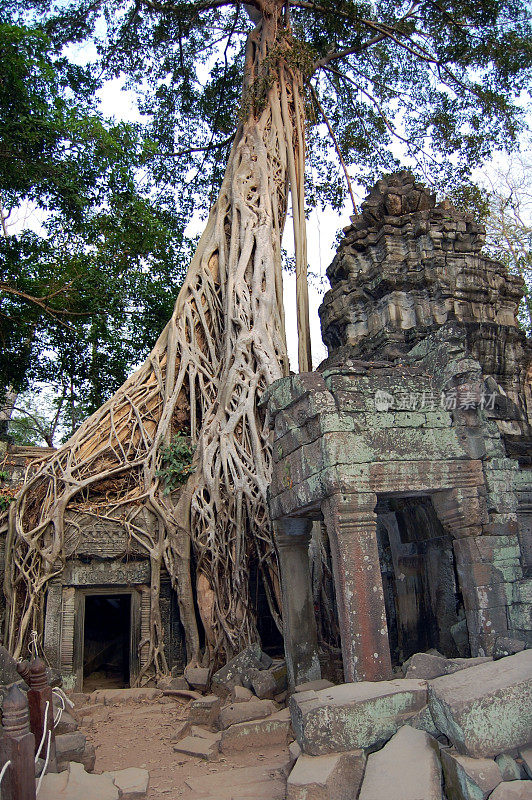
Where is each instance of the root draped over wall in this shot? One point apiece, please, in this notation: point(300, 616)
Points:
point(223, 345)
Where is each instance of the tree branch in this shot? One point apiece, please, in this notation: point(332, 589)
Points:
point(40, 302)
point(209, 5)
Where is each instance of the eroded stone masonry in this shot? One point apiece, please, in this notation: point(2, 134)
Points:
point(411, 445)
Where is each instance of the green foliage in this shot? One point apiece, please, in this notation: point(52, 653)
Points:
point(6, 494)
point(438, 80)
point(177, 462)
point(83, 301)
point(5, 500)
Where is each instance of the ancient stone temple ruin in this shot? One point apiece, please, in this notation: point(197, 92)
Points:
point(98, 607)
point(411, 445)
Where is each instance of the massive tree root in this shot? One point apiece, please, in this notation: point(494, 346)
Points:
point(223, 345)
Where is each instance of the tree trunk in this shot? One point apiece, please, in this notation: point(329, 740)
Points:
point(224, 344)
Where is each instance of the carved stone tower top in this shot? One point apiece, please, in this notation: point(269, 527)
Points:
point(406, 266)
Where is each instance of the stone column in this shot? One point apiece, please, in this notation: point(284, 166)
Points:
point(352, 529)
point(299, 623)
point(52, 625)
point(479, 554)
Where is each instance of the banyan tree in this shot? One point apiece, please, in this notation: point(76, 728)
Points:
point(282, 93)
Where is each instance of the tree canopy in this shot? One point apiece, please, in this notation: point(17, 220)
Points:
point(438, 84)
point(72, 293)
point(439, 79)
point(508, 221)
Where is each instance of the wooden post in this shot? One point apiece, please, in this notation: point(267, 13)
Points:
point(17, 745)
point(41, 717)
point(23, 669)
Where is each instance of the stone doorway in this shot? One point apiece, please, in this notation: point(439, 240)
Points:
point(102, 642)
point(106, 641)
point(421, 596)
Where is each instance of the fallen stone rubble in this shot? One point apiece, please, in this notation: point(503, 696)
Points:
point(451, 729)
point(465, 733)
point(461, 729)
point(77, 784)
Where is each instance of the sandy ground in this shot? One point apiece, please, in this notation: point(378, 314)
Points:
point(142, 734)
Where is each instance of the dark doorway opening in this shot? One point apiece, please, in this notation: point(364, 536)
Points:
point(106, 641)
point(418, 576)
point(270, 637)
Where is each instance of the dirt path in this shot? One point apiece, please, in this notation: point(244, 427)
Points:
point(143, 734)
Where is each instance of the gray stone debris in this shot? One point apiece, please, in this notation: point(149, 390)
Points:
point(244, 712)
point(510, 770)
point(525, 753)
point(331, 777)
point(270, 682)
point(74, 747)
point(506, 646)
point(512, 790)
point(426, 666)
point(205, 710)
point(182, 729)
point(205, 747)
point(294, 751)
point(197, 678)
point(407, 768)
point(131, 782)
point(273, 730)
point(173, 682)
point(66, 724)
point(460, 636)
point(236, 672)
point(468, 778)
point(239, 694)
point(487, 709)
point(422, 721)
point(76, 784)
point(354, 715)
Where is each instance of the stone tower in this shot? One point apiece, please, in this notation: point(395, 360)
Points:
point(411, 443)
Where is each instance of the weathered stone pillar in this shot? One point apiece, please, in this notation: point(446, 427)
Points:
point(52, 625)
point(352, 529)
point(299, 623)
point(486, 564)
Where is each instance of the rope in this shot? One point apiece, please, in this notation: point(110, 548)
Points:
point(59, 714)
point(60, 693)
point(32, 645)
point(3, 772)
point(45, 762)
point(38, 753)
